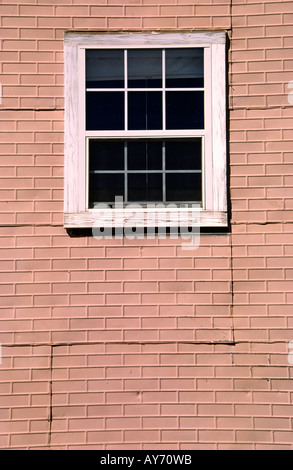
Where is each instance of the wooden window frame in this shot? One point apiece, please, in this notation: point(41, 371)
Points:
point(213, 213)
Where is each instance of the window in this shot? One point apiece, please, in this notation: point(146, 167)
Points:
point(146, 122)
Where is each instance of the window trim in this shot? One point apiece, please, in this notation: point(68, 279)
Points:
point(214, 210)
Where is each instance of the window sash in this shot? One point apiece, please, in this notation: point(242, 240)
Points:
point(126, 89)
point(163, 171)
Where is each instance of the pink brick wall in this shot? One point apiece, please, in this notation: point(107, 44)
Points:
point(141, 345)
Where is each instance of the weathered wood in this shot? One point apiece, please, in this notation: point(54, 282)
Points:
point(145, 218)
point(219, 127)
point(137, 39)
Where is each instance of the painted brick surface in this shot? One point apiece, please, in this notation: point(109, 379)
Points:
point(139, 344)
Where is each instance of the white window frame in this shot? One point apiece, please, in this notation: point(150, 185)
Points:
point(213, 212)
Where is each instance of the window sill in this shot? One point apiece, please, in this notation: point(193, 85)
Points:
point(112, 218)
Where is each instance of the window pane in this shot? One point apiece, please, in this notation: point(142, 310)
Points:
point(144, 110)
point(104, 188)
point(145, 68)
point(145, 187)
point(184, 68)
point(104, 111)
point(183, 155)
point(106, 155)
point(183, 187)
point(185, 110)
point(144, 155)
point(105, 68)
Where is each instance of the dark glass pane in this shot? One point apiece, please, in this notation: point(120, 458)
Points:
point(104, 68)
point(183, 187)
point(145, 187)
point(104, 111)
point(183, 155)
point(184, 68)
point(185, 110)
point(104, 187)
point(106, 155)
point(144, 110)
point(144, 68)
point(144, 155)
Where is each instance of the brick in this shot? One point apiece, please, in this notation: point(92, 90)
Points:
point(161, 22)
point(253, 436)
point(270, 397)
point(141, 11)
point(272, 423)
point(138, 436)
point(194, 22)
point(282, 436)
point(104, 436)
point(84, 424)
point(178, 10)
point(122, 423)
point(89, 22)
point(214, 435)
point(29, 413)
point(106, 11)
point(34, 10)
point(28, 439)
point(66, 437)
point(141, 410)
